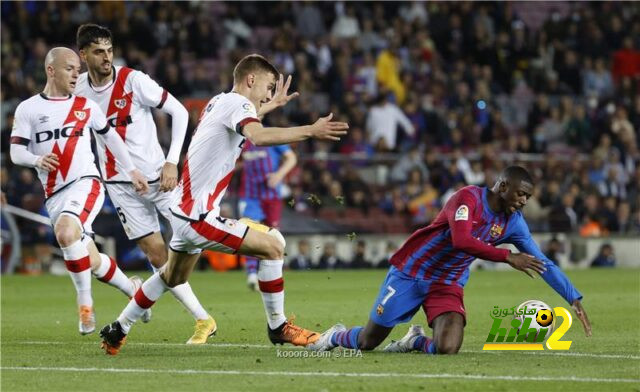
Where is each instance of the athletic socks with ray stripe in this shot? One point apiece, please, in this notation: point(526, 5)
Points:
point(185, 295)
point(76, 259)
point(109, 273)
point(347, 339)
point(143, 299)
point(272, 290)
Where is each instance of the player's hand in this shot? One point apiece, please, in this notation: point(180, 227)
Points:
point(140, 183)
point(526, 263)
point(48, 162)
point(582, 316)
point(325, 129)
point(168, 177)
point(281, 96)
point(273, 179)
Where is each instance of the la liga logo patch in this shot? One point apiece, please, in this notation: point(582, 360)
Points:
point(462, 213)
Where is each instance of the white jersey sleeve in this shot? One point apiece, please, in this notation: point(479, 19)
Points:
point(22, 126)
point(146, 92)
point(242, 113)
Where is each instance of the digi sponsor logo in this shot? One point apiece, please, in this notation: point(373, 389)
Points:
point(58, 133)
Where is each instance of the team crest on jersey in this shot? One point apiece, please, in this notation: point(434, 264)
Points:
point(80, 114)
point(496, 230)
point(380, 310)
point(462, 213)
point(246, 106)
point(120, 103)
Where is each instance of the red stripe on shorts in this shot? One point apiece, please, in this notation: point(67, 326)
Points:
point(91, 201)
point(212, 233)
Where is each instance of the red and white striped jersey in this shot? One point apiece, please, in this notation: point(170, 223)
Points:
point(216, 145)
point(60, 126)
point(127, 101)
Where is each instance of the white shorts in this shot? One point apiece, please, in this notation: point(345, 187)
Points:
point(213, 233)
point(139, 213)
point(82, 200)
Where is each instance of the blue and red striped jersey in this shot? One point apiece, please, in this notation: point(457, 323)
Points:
point(467, 229)
point(258, 162)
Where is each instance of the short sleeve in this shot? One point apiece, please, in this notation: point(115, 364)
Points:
point(147, 92)
point(98, 121)
point(242, 113)
point(21, 130)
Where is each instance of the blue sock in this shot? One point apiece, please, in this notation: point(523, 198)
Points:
point(251, 265)
point(347, 339)
point(424, 344)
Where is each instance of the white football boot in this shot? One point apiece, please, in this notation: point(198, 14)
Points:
point(405, 344)
point(324, 343)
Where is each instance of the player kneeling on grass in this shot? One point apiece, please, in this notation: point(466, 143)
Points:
point(225, 123)
point(432, 267)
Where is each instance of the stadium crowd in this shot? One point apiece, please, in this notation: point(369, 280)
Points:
point(437, 95)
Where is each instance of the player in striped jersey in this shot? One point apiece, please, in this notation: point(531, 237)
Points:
point(226, 122)
point(432, 267)
point(51, 133)
point(127, 97)
point(263, 169)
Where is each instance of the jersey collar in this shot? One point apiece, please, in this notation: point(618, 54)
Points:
point(485, 204)
point(44, 96)
point(103, 88)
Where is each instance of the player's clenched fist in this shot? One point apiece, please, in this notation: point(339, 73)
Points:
point(139, 182)
point(326, 129)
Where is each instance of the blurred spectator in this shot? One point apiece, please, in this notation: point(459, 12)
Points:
point(605, 258)
point(554, 248)
point(382, 122)
point(301, 261)
point(359, 260)
point(328, 259)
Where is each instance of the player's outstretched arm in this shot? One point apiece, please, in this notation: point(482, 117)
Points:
point(323, 129)
point(280, 98)
point(582, 316)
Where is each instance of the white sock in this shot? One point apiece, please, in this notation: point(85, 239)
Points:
point(109, 273)
point(272, 289)
point(76, 259)
point(142, 300)
point(185, 295)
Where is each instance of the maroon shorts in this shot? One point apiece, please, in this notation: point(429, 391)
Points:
point(272, 210)
point(443, 298)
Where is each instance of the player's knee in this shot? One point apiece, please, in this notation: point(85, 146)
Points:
point(274, 249)
point(66, 235)
point(447, 346)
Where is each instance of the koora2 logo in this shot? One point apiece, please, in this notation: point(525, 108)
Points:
point(533, 322)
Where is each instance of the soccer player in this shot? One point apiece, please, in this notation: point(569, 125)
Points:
point(225, 124)
point(51, 133)
point(432, 267)
point(263, 169)
point(127, 97)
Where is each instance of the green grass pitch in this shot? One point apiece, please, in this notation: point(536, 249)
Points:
point(41, 349)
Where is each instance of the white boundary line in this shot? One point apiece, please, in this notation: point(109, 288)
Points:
point(266, 346)
point(325, 374)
